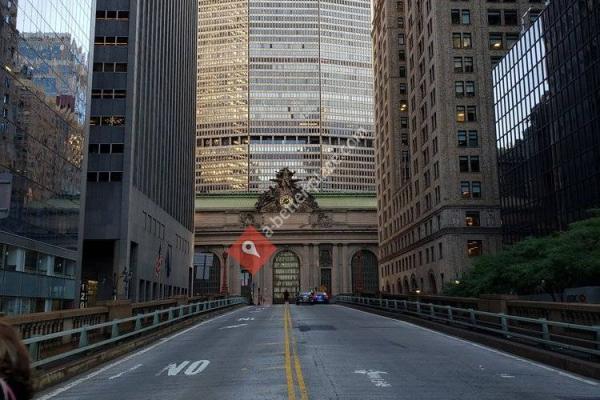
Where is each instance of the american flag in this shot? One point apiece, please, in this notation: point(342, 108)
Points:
point(159, 261)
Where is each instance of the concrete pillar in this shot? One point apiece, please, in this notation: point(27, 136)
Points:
point(235, 286)
point(335, 272)
point(306, 268)
point(316, 281)
point(347, 286)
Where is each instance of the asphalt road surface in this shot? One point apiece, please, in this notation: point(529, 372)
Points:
point(319, 352)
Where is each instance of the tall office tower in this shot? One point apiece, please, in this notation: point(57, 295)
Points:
point(547, 102)
point(449, 211)
point(284, 84)
point(392, 152)
point(140, 175)
point(44, 75)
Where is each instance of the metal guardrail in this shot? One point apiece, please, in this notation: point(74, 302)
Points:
point(81, 340)
point(554, 335)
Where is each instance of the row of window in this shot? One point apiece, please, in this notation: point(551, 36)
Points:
point(109, 94)
point(111, 40)
point(105, 176)
point(23, 260)
point(497, 40)
point(463, 17)
point(110, 67)
point(105, 148)
point(154, 227)
point(111, 120)
point(474, 249)
point(122, 15)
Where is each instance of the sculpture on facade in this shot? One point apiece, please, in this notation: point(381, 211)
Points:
point(287, 193)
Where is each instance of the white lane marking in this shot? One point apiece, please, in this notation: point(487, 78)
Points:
point(375, 377)
point(196, 367)
point(233, 326)
point(533, 363)
point(193, 368)
point(124, 372)
point(506, 376)
point(173, 369)
point(79, 381)
point(246, 319)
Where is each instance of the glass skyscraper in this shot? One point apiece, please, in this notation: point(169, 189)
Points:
point(44, 53)
point(284, 84)
point(547, 105)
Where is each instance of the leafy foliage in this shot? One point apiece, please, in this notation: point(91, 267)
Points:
point(548, 264)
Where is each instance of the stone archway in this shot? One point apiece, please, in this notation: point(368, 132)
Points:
point(365, 272)
point(286, 275)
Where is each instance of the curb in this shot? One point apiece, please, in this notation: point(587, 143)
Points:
point(561, 361)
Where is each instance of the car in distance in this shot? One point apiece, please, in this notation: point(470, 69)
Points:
point(321, 297)
point(305, 298)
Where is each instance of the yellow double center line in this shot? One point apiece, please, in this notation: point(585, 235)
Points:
point(292, 361)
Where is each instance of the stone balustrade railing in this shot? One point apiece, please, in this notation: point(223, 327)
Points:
point(40, 324)
point(572, 313)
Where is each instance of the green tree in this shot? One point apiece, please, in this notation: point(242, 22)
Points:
point(548, 264)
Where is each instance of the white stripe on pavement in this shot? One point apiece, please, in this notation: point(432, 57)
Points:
point(479, 346)
point(79, 381)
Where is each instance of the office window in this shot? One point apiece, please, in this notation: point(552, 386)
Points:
point(473, 139)
point(511, 17)
point(471, 113)
point(495, 41)
point(465, 16)
point(474, 164)
point(461, 40)
point(463, 162)
point(474, 248)
point(494, 17)
point(511, 39)
point(476, 188)
point(460, 114)
point(469, 89)
point(465, 189)
point(472, 218)
point(470, 190)
point(468, 64)
point(458, 64)
point(462, 138)
point(459, 89)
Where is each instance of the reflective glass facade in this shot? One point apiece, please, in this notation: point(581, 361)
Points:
point(284, 84)
point(547, 104)
point(44, 54)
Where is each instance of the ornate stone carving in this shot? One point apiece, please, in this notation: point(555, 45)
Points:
point(321, 219)
point(286, 194)
point(247, 219)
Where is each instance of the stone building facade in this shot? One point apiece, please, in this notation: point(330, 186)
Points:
point(328, 244)
point(448, 210)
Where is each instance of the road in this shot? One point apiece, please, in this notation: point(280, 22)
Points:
point(319, 352)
